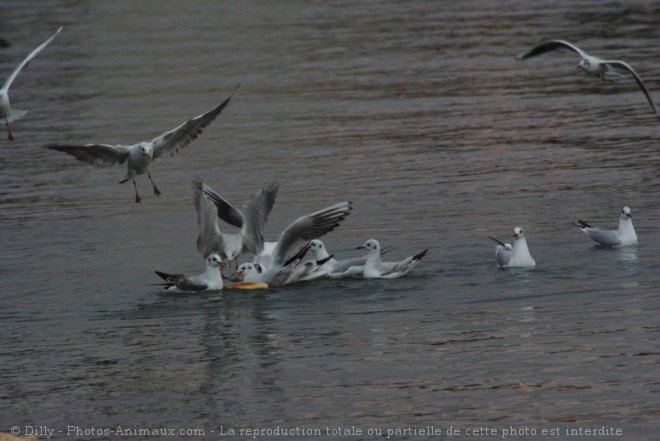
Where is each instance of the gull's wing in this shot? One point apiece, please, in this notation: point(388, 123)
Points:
point(171, 142)
point(549, 46)
point(182, 282)
point(98, 155)
point(225, 210)
point(210, 237)
point(27, 60)
point(343, 265)
point(503, 255)
point(603, 237)
point(255, 216)
point(311, 226)
point(406, 265)
point(626, 66)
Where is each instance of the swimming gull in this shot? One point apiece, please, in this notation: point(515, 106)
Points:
point(516, 256)
point(209, 279)
point(623, 236)
point(376, 268)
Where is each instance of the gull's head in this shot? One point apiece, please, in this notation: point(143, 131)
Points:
point(214, 260)
point(247, 270)
point(584, 64)
point(518, 232)
point(316, 246)
point(146, 149)
point(371, 244)
point(625, 213)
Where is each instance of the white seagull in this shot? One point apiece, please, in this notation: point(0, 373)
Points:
point(138, 157)
point(251, 220)
point(604, 69)
point(516, 256)
point(375, 268)
point(6, 112)
point(333, 268)
point(287, 272)
point(623, 236)
point(209, 279)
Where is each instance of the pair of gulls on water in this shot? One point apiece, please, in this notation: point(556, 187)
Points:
point(275, 263)
point(518, 255)
point(603, 69)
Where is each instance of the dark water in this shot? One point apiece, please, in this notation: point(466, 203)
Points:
point(417, 112)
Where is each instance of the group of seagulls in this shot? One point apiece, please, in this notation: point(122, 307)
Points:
point(286, 260)
point(518, 255)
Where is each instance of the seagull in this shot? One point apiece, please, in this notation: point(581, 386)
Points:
point(6, 112)
point(604, 69)
point(516, 256)
point(623, 236)
point(251, 220)
point(276, 275)
point(332, 267)
point(138, 157)
point(375, 268)
point(209, 279)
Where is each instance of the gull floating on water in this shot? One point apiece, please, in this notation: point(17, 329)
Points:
point(333, 268)
point(209, 279)
point(604, 69)
point(278, 274)
point(138, 157)
point(516, 256)
point(375, 268)
point(623, 236)
point(251, 219)
point(6, 112)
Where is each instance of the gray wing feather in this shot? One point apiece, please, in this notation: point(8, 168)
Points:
point(343, 265)
point(549, 46)
point(171, 142)
point(311, 226)
point(210, 238)
point(626, 66)
point(225, 210)
point(254, 219)
point(98, 155)
point(503, 255)
point(603, 237)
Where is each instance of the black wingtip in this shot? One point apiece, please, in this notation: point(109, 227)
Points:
point(163, 276)
point(419, 256)
point(498, 241)
point(583, 224)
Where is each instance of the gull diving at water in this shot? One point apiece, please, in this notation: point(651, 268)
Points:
point(516, 256)
point(6, 112)
point(138, 157)
point(623, 236)
point(251, 220)
point(604, 69)
point(375, 268)
point(209, 279)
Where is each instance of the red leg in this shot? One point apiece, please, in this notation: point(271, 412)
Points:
point(10, 137)
point(156, 190)
point(138, 199)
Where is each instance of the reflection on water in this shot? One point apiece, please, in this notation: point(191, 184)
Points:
point(418, 113)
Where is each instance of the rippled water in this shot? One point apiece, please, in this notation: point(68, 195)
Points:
point(417, 112)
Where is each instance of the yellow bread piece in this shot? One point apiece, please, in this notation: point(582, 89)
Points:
point(247, 285)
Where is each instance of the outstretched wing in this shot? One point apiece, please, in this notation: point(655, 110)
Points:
point(98, 155)
point(622, 65)
point(311, 226)
point(171, 142)
point(209, 239)
point(27, 60)
point(547, 47)
point(225, 210)
point(255, 216)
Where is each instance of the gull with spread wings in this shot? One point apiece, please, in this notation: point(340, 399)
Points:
point(604, 69)
point(138, 157)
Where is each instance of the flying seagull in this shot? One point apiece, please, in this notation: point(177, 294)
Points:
point(138, 157)
point(604, 69)
point(6, 112)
